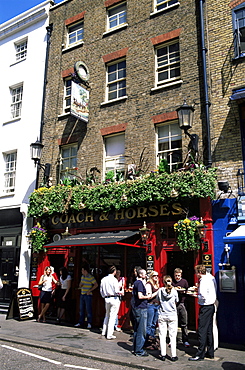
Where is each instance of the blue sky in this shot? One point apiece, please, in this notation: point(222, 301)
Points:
point(10, 8)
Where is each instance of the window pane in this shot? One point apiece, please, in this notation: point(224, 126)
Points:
point(170, 144)
point(116, 80)
point(115, 145)
point(117, 15)
point(75, 33)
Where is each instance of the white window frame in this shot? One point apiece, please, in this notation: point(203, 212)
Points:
point(117, 17)
point(118, 160)
point(67, 95)
point(70, 169)
point(76, 33)
point(169, 65)
point(20, 50)
point(168, 153)
point(118, 80)
point(16, 100)
point(238, 34)
point(162, 5)
point(10, 162)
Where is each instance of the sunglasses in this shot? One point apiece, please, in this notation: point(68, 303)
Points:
point(155, 275)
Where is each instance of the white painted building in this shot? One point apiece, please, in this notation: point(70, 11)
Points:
point(23, 44)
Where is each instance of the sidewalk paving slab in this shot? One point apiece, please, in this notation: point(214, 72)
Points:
point(90, 344)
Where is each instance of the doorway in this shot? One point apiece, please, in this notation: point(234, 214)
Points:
point(185, 261)
point(9, 262)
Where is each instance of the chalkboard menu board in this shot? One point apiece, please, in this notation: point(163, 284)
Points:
point(21, 305)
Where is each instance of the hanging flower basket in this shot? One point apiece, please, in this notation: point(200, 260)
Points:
point(38, 237)
point(187, 234)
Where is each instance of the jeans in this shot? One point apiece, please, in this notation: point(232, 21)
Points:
point(111, 307)
point(170, 324)
point(152, 316)
point(140, 316)
point(85, 305)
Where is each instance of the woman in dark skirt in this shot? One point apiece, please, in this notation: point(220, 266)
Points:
point(46, 281)
point(63, 293)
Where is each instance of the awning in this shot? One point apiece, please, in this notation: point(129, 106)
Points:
point(127, 237)
point(238, 94)
point(236, 236)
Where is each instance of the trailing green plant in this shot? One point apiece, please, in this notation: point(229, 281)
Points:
point(187, 234)
point(163, 166)
point(38, 237)
point(151, 188)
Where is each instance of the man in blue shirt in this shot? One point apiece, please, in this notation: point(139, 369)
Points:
point(140, 313)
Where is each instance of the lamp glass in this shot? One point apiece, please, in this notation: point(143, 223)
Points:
point(186, 115)
point(144, 232)
point(36, 150)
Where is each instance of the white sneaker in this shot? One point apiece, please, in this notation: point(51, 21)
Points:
point(78, 325)
point(89, 326)
point(111, 337)
point(118, 329)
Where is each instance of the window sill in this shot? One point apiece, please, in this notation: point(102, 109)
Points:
point(12, 120)
point(72, 46)
point(4, 195)
point(64, 115)
point(17, 62)
point(114, 29)
point(114, 100)
point(239, 58)
point(178, 82)
point(164, 10)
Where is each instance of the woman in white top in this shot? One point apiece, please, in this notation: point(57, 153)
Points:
point(46, 281)
point(64, 293)
point(167, 317)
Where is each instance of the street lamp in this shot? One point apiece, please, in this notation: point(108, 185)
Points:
point(202, 229)
point(36, 153)
point(186, 116)
point(145, 233)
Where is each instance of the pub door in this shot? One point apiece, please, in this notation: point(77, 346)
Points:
point(99, 259)
point(185, 261)
point(9, 262)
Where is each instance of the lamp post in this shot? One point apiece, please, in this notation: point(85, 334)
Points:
point(186, 116)
point(202, 229)
point(145, 233)
point(36, 153)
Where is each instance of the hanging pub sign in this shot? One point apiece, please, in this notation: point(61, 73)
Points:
point(79, 101)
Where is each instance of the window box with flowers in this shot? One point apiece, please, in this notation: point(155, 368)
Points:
point(187, 234)
point(38, 238)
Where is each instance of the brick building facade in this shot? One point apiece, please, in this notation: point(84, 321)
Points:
point(146, 103)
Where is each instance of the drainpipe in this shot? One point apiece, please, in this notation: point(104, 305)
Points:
point(49, 31)
point(205, 83)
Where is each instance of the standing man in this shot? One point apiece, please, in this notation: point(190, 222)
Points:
point(140, 313)
point(87, 285)
point(182, 286)
point(109, 290)
point(206, 297)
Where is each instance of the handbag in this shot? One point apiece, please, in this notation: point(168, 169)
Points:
point(40, 286)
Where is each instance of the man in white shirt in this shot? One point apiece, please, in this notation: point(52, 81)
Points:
point(206, 298)
point(109, 290)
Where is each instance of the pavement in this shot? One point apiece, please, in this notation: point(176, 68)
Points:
point(90, 344)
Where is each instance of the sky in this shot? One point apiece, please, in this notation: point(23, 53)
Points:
point(10, 8)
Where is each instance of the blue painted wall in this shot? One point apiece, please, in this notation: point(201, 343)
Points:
point(231, 311)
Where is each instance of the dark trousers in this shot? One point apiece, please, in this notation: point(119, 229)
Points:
point(205, 331)
point(182, 319)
